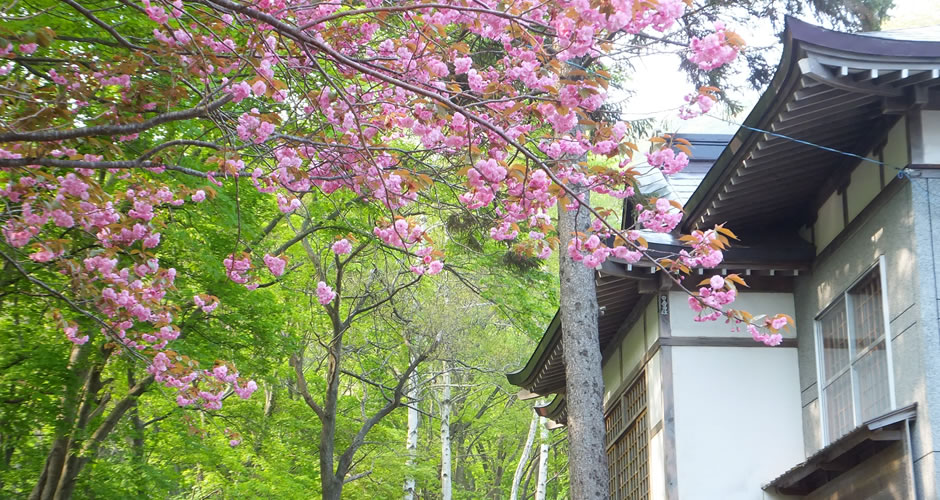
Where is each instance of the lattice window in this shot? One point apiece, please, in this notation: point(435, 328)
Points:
point(628, 445)
point(856, 384)
point(613, 423)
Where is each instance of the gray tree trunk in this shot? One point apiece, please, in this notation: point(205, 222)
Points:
point(584, 385)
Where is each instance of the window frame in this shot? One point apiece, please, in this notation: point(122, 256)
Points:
point(845, 299)
point(628, 424)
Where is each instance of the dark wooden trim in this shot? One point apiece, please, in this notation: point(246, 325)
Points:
point(881, 167)
point(669, 425)
point(924, 166)
point(778, 283)
point(722, 342)
point(873, 206)
point(656, 428)
point(845, 203)
point(663, 311)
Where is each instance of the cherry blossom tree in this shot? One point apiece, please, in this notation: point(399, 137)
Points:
point(113, 122)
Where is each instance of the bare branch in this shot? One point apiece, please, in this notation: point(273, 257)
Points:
point(97, 165)
point(105, 26)
point(126, 129)
point(298, 361)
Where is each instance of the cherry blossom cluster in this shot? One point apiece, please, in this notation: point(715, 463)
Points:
point(325, 293)
point(706, 250)
point(593, 253)
point(715, 50)
point(713, 299)
point(110, 259)
point(667, 160)
point(696, 105)
point(396, 102)
point(662, 217)
point(770, 339)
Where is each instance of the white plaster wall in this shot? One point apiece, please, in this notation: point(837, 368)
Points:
point(654, 390)
point(657, 467)
point(652, 322)
point(829, 221)
point(628, 356)
point(864, 185)
point(895, 150)
point(632, 349)
point(683, 323)
point(654, 412)
point(930, 126)
point(610, 371)
point(737, 419)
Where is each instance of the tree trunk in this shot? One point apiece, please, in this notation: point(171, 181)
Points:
point(137, 438)
point(411, 441)
point(446, 408)
point(524, 458)
point(70, 453)
point(543, 462)
point(332, 486)
point(584, 385)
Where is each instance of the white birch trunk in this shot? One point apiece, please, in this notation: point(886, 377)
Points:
point(411, 441)
point(584, 384)
point(446, 407)
point(520, 467)
point(542, 483)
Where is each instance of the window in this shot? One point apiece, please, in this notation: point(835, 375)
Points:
point(627, 441)
point(854, 359)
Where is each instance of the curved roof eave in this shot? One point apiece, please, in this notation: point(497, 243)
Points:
point(799, 38)
point(868, 44)
point(525, 376)
point(768, 100)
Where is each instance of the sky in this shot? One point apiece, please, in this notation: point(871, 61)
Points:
point(660, 97)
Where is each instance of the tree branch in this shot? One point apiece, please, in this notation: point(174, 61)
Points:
point(298, 361)
point(126, 129)
point(346, 458)
point(96, 165)
point(105, 26)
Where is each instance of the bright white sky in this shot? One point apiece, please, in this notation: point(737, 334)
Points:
point(659, 97)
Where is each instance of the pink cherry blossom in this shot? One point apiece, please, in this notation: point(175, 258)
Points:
point(275, 264)
point(325, 294)
point(717, 282)
point(71, 332)
point(240, 91)
point(341, 247)
point(667, 160)
point(713, 51)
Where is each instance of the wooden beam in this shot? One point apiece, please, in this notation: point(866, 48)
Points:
point(813, 69)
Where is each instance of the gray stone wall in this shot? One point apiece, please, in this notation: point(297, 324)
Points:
point(925, 195)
